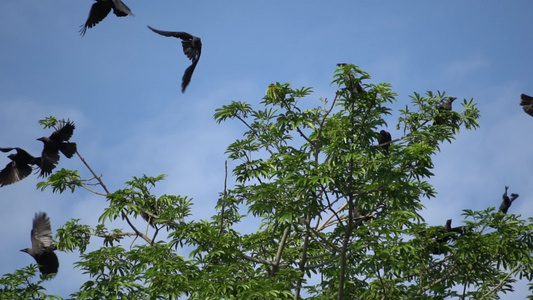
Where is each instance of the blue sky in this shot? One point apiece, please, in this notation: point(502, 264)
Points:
point(120, 84)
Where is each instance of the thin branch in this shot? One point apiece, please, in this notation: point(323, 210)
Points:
point(382, 283)
point(93, 191)
point(224, 197)
point(502, 282)
point(282, 245)
point(92, 172)
point(257, 260)
point(142, 235)
point(114, 234)
point(303, 261)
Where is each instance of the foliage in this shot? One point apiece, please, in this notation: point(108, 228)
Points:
point(337, 215)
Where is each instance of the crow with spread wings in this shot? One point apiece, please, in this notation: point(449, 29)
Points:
point(100, 9)
point(192, 48)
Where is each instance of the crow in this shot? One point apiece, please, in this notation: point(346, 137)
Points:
point(19, 167)
point(506, 202)
point(445, 106)
point(58, 141)
point(42, 248)
point(192, 48)
point(100, 9)
point(527, 104)
point(349, 79)
point(446, 234)
point(459, 229)
point(384, 137)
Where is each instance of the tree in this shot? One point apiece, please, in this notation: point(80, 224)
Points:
point(339, 217)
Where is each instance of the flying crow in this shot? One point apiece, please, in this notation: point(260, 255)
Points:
point(527, 104)
point(100, 9)
point(56, 142)
point(42, 248)
point(19, 167)
point(192, 48)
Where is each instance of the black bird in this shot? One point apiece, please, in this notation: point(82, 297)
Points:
point(192, 48)
point(19, 167)
point(100, 9)
point(445, 235)
point(42, 248)
point(527, 104)
point(445, 106)
point(58, 141)
point(458, 229)
point(384, 137)
point(506, 202)
point(349, 79)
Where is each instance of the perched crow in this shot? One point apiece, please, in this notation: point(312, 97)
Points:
point(527, 104)
point(384, 137)
point(101, 9)
point(42, 248)
point(506, 202)
point(349, 79)
point(445, 235)
point(458, 229)
point(445, 106)
point(58, 141)
point(192, 48)
point(19, 167)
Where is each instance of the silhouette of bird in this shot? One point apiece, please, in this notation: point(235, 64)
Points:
point(445, 106)
point(506, 202)
point(192, 48)
point(446, 234)
point(384, 137)
point(458, 229)
point(42, 248)
point(19, 167)
point(349, 80)
point(100, 9)
point(527, 104)
point(58, 141)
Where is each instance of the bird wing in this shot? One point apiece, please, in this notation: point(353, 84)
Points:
point(14, 172)
point(49, 159)
point(41, 233)
point(177, 34)
point(99, 10)
point(120, 9)
point(527, 104)
point(526, 100)
point(24, 157)
point(187, 76)
point(63, 133)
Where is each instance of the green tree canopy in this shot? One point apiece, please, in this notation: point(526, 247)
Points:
point(337, 214)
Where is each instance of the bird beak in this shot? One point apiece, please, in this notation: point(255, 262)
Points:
point(24, 250)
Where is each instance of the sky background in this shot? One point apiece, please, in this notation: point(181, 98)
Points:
point(120, 84)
